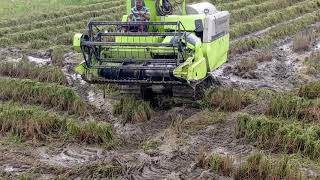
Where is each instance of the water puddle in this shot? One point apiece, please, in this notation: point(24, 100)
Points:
point(39, 61)
point(16, 168)
point(317, 47)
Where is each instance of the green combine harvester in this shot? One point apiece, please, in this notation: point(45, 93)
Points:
point(160, 47)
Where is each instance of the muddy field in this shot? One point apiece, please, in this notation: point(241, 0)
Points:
point(180, 141)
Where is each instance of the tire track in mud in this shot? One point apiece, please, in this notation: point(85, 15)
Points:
point(69, 155)
point(170, 161)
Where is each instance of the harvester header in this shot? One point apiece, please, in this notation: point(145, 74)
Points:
point(160, 44)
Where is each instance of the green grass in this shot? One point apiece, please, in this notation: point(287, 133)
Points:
point(46, 94)
point(238, 4)
point(35, 123)
point(48, 16)
point(313, 63)
point(291, 28)
point(64, 20)
point(133, 110)
point(28, 70)
point(227, 99)
point(150, 144)
point(282, 135)
point(288, 106)
point(265, 20)
point(51, 28)
point(10, 8)
point(251, 11)
point(256, 166)
point(292, 106)
point(310, 90)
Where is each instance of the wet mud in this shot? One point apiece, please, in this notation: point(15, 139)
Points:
point(174, 155)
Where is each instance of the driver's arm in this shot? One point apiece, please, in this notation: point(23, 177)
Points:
point(146, 15)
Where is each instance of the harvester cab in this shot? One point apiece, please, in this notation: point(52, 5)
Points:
point(174, 51)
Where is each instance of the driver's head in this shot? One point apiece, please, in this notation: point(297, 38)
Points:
point(139, 4)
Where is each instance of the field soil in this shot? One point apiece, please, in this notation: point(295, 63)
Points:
point(175, 155)
point(179, 138)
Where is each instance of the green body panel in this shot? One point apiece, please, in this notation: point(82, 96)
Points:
point(188, 21)
point(138, 52)
point(216, 52)
point(200, 59)
point(77, 42)
point(208, 57)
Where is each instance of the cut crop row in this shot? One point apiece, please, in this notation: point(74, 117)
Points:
point(64, 12)
point(243, 14)
point(61, 39)
point(61, 20)
point(48, 33)
point(255, 166)
point(291, 106)
point(35, 123)
point(214, 2)
point(302, 105)
point(280, 134)
point(27, 70)
point(288, 29)
point(47, 94)
point(237, 4)
point(269, 19)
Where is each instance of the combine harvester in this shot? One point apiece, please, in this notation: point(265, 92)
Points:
point(172, 52)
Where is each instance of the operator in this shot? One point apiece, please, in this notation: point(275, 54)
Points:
point(139, 13)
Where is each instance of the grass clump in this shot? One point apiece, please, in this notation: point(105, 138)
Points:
point(311, 90)
point(47, 94)
point(264, 55)
point(242, 27)
point(34, 123)
point(221, 165)
point(132, 109)
point(254, 10)
point(57, 56)
point(302, 41)
point(292, 106)
point(150, 144)
point(255, 166)
point(30, 70)
point(202, 121)
point(290, 28)
point(313, 63)
point(246, 67)
point(228, 99)
point(264, 167)
point(288, 106)
point(91, 132)
point(280, 135)
point(29, 123)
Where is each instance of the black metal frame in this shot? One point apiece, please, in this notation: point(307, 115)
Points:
point(92, 46)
